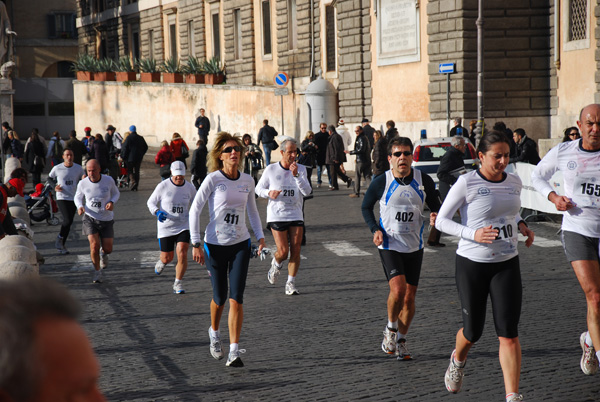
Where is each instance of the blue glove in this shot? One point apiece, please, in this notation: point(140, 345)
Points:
point(161, 215)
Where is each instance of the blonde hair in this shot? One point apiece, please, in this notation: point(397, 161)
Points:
point(14, 134)
point(214, 156)
point(308, 134)
point(164, 143)
point(125, 135)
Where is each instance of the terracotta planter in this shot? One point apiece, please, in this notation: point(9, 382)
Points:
point(172, 78)
point(126, 76)
point(85, 76)
point(150, 77)
point(194, 78)
point(214, 79)
point(104, 76)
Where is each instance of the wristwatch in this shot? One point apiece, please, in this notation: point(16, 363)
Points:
point(196, 245)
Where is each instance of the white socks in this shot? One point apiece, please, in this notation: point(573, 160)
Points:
point(392, 325)
point(588, 339)
point(214, 333)
point(233, 347)
point(291, 278)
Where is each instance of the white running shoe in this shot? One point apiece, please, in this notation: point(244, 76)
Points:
point(454, 376)
point(178, 288)
point(273, 273)
point(234, 360)
point(103, 259)
point(158, 268)
point(97, 276)
point(58, 243)
point(402, 351)
point(589, 361)
point(290, 289)
point(389, 340)
point(215, 346)
point(515, 398)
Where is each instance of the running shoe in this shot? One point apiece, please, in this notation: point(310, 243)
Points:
point(273, 273)
point(234, 360)
point(389, 340)
point(158, 268)
point(103, 259)
point(58, 243)
point(454, 376)
point(514, 398)
point(97, 276)
point(178, 288)
point(402, 351)
point(215, 346)
point(589, 361)
point(290, 289)
point(349, 183)
point(63, 250)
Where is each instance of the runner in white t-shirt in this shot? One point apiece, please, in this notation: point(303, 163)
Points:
point(230, 195)
point(579, 162)
point(285, 184)
point(95, 199)
point(65, 177)
point(487, 264)
point(170, 203)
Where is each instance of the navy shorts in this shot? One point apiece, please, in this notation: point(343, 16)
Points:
point(167, 244)
point(222, 261)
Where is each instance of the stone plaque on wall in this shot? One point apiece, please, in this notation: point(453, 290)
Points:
point(398, 38)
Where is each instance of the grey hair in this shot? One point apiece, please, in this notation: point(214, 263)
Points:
point(457, 140)
point(22, 304)
point(458, 120)
point(288, 140)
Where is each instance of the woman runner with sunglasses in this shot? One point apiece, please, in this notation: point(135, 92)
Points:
point(402, 193)
point(487, 261)
point(230, 195)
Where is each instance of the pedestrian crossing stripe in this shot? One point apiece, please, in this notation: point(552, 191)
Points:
point(344, 249)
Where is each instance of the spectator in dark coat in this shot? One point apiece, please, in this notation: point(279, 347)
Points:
point(133, 151)
point(458, 128)
point(198, 168)
point(391, 132)
point(501, 127)
point(78, 148)
point(99, 152)
point(380, 163)
point(335, 157)
point(452, 165)
point(35, 158)
point(362, 150)
point(5, 140)
point(321, 141)
point(267, 135)
point(526, 148)
point(203, 125)
point(368, 130)
point(15, 145)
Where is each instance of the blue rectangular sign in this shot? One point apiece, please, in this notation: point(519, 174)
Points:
point(446, 68)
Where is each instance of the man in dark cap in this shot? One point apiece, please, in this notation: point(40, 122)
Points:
point(368, 131)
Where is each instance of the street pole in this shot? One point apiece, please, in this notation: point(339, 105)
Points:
point(480, 120)
point(447, 105)
point(282, 123)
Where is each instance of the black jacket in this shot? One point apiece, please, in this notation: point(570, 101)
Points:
point(134, 148)
point(205, 122)
point(321, 141)
point(33, 149)
point(380, 158)
point(451, 160)
point(362, 149)
point(369, 131)
point(391, 133)
point(198, 166)
point(266, 134)
point(526, 152)
point(79, 149)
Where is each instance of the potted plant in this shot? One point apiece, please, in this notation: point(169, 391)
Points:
point(215, 73)
point(171, 71)
point(125, 69)
point(83, 67)
point(148, 70)
point(106, 70)
point(194, 71)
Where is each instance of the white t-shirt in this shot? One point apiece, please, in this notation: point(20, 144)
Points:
point(581, 174)
point(67, 177)
point(288, 205)
point(400, 214)
point(96, 196)
point(483, 203)
point(228, 202)
point(175, 201)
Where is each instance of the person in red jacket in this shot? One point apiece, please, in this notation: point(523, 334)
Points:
point(164, 157)
point(179, 148)
point(10, 189)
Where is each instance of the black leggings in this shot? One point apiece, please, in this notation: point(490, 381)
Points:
point(67, 210)
point(232, 261)
point(502, 281)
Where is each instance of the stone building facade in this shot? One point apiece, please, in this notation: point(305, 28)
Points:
point(382, 56)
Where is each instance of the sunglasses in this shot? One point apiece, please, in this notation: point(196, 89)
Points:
point(229, 150)
point(400, 153)
point(574, 134)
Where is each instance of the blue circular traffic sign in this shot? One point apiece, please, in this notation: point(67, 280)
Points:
point(281, 79)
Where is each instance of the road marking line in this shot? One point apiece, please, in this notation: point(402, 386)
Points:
point(84, 263)
point(344, 249)
point(546, 243)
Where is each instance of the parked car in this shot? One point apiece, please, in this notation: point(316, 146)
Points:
point(428, 152)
